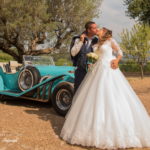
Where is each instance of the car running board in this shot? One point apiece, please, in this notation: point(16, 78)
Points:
point(16, 94)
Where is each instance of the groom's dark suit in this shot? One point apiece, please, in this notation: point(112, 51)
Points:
point(80, 50)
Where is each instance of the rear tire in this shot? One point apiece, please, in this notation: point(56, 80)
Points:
point(28, 77)
point(62, 98)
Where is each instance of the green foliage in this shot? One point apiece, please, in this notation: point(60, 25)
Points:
point(5, 57)
point(26, 23)
point(139, 9)
point(147, 68)
point(129, 67)
point(136, 43)
point(134, 68)
point(73, 14)
point(62, 59)
point(63, 62)
point(21, 21)
point(59, 59)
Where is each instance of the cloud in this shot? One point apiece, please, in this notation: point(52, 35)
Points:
point(113, 17)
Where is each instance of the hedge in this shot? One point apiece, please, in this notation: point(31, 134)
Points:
point(134, 67)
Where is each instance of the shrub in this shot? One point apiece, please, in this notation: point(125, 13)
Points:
point(5, 57)
point(131, 67)
point(63, 62)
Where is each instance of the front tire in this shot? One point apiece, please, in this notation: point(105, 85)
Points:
point(62, 98)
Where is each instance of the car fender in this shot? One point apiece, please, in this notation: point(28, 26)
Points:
point(67, 79)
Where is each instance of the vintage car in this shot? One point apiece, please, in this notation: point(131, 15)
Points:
point(38, 79)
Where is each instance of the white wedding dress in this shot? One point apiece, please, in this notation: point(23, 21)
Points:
point(106, 113)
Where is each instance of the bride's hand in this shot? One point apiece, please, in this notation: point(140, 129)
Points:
point(114, 64)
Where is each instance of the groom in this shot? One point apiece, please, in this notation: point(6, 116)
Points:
point(82, 46)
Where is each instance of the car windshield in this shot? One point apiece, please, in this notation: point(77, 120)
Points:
point(38, 60)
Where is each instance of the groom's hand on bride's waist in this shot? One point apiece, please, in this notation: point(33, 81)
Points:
point(114, 64)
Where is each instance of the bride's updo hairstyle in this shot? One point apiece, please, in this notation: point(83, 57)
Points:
point(107, 34)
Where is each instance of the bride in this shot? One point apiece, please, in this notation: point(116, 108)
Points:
point(106, 113)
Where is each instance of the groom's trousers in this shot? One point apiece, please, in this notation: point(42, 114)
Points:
point(79, 76)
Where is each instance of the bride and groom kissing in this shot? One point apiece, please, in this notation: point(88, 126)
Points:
point(106, 113)
point(84, 44)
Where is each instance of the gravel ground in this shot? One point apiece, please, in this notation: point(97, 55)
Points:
point(29, 125)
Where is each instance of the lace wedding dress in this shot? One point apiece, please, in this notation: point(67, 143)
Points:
point(106, 113)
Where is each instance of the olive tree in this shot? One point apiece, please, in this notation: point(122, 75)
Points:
point(24, 24)
point(136, 44)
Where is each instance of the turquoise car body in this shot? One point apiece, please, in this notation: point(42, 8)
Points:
point(9, 81)
point(35, 81)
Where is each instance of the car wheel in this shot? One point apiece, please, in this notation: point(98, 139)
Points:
point(28, 77)
point(62, 98)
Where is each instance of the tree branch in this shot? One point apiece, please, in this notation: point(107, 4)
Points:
point(10, 52)
point(39, 52)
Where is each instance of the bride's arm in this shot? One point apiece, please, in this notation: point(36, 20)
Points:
point(116, 48)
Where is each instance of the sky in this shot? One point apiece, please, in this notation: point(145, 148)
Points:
point(112, 16)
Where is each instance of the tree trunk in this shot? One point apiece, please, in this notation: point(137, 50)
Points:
point(19, 59)
point(142, 73)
